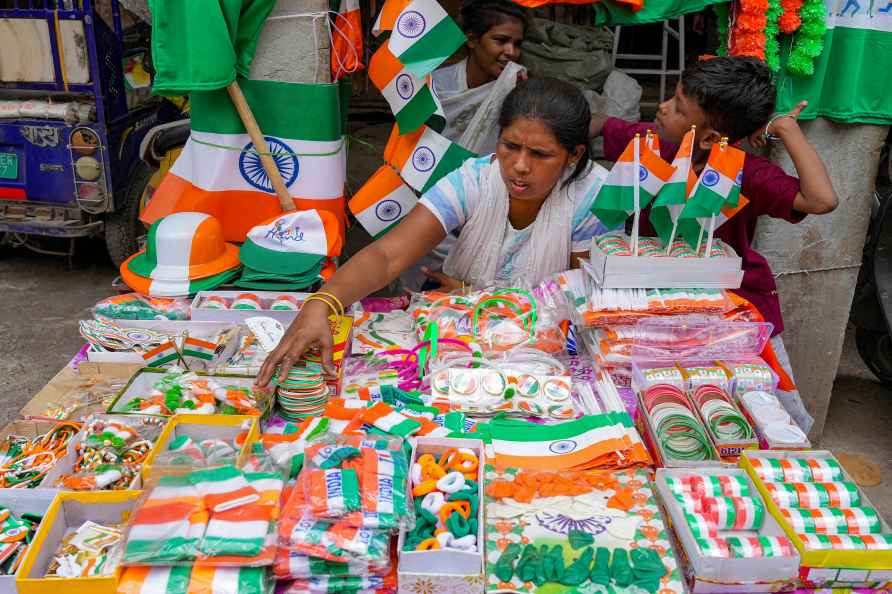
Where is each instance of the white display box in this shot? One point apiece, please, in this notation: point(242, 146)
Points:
point(23, 501)
point(240, 315)
point(712, 574)
point(645, 272)
point(457, 572)
point(176, 328)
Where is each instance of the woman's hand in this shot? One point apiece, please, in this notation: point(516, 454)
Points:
point(447, 283)
point(310, 329)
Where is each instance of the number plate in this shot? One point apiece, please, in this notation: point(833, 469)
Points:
point(9, 166)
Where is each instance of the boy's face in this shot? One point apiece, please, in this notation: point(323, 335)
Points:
point(676, 115)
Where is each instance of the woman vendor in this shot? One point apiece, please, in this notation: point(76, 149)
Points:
point(524, 214)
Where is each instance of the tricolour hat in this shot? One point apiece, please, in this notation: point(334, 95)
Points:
point(183, 246)
point(183, 288)
point(292, 243)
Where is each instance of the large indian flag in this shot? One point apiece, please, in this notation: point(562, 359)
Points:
point(850, 81)
point(410, 97)
point(424, 157)
point(382, 202)
point(615, 199)
point(220, 173)
point(570, 445)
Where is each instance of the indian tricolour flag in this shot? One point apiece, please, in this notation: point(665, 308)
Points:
point(562, 446)
point(220, 173)
point(717, 187)
point(228, 580)
point(410, 97)
point(161, 355)
point(200, 349)
point(424, 157)
point(423, 36)
point(670, 201)
point(615, 200)
point(346, 39)
point(155, 580)
point(382, 202)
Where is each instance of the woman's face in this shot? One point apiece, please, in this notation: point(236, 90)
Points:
point(498, 46)
point(531, 159)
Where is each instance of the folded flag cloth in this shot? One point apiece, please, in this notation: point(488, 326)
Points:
point(155, 580)
point(339, 542)
point(174, 489)
point(385, 418)
point(223, 488)
point(385, 502)
point(228, 580)
point(237, 532)
point(162, 534)
point(324, 584)
point(333, 493)
point(345, 410)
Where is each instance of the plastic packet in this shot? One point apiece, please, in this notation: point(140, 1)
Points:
point(362, 481)
point(357, 584)
point(197, 453)
point(179, 392)
point(752, 375)
point(185, 578)
point(133, 306)
point(25, 461)
point(110, 451)
point(494, 319)
point(219, 515)
point(293, 565)
point(91, 398)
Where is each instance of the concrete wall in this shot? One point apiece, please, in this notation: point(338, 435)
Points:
point(816, 262)
point(296, 48)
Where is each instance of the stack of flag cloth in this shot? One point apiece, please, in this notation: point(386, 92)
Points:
point(291, 251)
point(188, 579)
point(339, 525)
point(218, 516)
point(394, 412)
point(606, 441)
point(185, 253)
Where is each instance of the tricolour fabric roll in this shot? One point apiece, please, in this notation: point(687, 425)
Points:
point(827, 542)
point(700, 526)
point(877, 542)
point(862, 520)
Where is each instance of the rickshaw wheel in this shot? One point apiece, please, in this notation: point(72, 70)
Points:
point(123, 229)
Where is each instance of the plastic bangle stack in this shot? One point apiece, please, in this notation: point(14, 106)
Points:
point(724, 420)
point(678, 431)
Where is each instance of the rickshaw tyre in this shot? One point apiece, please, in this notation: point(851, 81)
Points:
point(123, 227)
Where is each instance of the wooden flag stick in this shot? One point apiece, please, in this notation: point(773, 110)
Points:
point(636, 193)
point(269, 164)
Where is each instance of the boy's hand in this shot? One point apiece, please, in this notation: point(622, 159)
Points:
point(778, 126)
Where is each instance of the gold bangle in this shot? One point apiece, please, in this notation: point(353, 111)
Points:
point(333, 298)
point(320, 298)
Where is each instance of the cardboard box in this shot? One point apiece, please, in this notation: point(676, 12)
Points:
point(31, 429)
point(201, 330)
point(66, 384)
point(712, 574)
point(456, 572)
point(201, 427)
point(825, 569)
point(240, 315)
point(140, 385)
point(148, 426)
point(644, 272)
point(68, 511)
point(23, 501)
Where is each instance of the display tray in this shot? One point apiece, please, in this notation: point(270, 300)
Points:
point(611, 271)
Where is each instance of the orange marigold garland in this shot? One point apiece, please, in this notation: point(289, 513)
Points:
point(748, 35)
point(790, 20)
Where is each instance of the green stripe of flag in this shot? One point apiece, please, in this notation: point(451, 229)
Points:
point(432, 50)
point(416, 111)
point(251, 580)
point(178, 580)
point(198, 354)
point(453, 158)
point(284, 110)
point(163, 360)
point(511, 430)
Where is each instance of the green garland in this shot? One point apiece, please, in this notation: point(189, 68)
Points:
point(722, 18)
point(808, 41)
point(772, 45)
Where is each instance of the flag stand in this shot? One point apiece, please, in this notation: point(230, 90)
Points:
point(269, 164)
point(636, 192)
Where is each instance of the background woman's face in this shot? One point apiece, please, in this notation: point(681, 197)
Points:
point(531, 160)
point(498, 46)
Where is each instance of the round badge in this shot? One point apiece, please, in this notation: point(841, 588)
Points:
point(527, 386)
point(557, 390)
point(440, 382)
point(494, 383)
point(463, 383)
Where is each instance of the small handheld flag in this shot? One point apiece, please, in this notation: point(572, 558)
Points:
point(670, 201)
point(382, 202)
